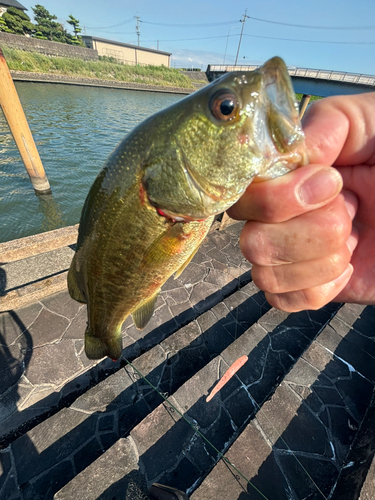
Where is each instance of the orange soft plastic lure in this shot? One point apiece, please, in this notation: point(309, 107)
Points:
point(227, 376)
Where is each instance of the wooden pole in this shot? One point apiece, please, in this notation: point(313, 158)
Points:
point(15, 116)
point(303, 104)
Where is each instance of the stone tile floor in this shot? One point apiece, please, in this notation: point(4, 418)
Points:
point(296, 420)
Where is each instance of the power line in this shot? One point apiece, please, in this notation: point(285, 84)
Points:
point(204, 25)
point(224, 23)
point(243, 21)
point(189, 39)
point(108, 27)
point(137, 27)
point(260, 36)
point(309, 41)
point(314, 27)
point(119, 32)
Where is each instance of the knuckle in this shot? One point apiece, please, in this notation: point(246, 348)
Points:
point(336, 264)
point(296, 301)
point(270, 211)
point(267, 279)
point(338, 227)
point(254, 244)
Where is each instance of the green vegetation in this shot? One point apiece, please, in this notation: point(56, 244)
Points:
point(313, 97)
point(45, 28)
point(16, 21)
point(105, 69)
point(75, 23)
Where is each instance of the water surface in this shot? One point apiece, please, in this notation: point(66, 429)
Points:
point(75, 129)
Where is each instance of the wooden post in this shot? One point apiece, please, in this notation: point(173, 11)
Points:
point(19, 127)
point(303, 104)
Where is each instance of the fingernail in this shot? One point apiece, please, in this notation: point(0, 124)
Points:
point(321, 186)
point(344, 276)
point(352, 241)
point(351, 203)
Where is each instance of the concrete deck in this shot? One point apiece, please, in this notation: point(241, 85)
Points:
point(297, 420)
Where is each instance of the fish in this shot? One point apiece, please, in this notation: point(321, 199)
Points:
point(227, 376)
point(156, 197)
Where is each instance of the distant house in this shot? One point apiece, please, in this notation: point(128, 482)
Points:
point(4, 4)
point(126, 53)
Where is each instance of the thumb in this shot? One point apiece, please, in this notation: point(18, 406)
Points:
point(288, 196)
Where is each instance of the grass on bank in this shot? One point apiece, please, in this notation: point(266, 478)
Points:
point(106, 69)
point(312, 98)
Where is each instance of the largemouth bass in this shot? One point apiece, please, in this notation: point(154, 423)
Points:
point(155, 199)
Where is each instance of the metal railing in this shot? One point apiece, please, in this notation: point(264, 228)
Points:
point(321, 74)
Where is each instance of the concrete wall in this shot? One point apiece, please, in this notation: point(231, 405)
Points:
point(128, 54)
point(46, 47)
point(152, 58)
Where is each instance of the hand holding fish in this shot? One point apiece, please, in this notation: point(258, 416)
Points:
point(311, 233)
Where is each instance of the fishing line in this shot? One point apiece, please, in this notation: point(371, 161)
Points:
point(220, 454)
point(195, 428)
point(260, 410)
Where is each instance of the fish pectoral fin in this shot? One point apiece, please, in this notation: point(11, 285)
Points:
point(142, 315)
point(185, 264)
point(73, 288)
point(97, 348)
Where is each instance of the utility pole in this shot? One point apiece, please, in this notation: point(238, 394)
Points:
point(137, 27)
point(243, 25)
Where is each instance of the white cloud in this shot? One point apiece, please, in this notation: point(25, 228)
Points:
point(196, 58)
point(186, 58)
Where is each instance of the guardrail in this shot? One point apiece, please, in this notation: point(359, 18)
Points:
point(321, 74)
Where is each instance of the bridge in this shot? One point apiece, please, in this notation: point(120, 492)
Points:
point(306, 81)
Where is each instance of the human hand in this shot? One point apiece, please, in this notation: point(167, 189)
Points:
point(311, 233)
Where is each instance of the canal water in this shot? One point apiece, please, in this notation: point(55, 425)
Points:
point(75, 129)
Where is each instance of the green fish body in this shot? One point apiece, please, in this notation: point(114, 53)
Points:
point(155, 199)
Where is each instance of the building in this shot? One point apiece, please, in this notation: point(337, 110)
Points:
point(4, 4)
point(126, 53)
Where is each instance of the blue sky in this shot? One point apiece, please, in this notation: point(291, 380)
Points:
point(174, 24)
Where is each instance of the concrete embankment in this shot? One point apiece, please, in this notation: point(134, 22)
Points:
point(297, 420)
point(25, 76)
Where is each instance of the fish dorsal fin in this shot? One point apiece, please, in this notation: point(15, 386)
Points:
point(142, 315)
point(185, 264)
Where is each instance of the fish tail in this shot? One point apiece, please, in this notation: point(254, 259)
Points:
point(97, 348)
point(73, 287)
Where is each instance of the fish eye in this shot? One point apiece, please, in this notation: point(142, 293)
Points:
point(224, 105)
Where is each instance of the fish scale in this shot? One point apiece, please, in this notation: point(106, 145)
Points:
point(155, 199)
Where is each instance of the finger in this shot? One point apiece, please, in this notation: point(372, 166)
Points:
point(310, 298)
point(303, 275)
point(285, 197)
point(340, 130)
point(310, 236)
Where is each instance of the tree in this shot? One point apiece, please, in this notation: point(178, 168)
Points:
point(47, 28)
point(16, 21)
point(75, 23)
point(76, 39)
